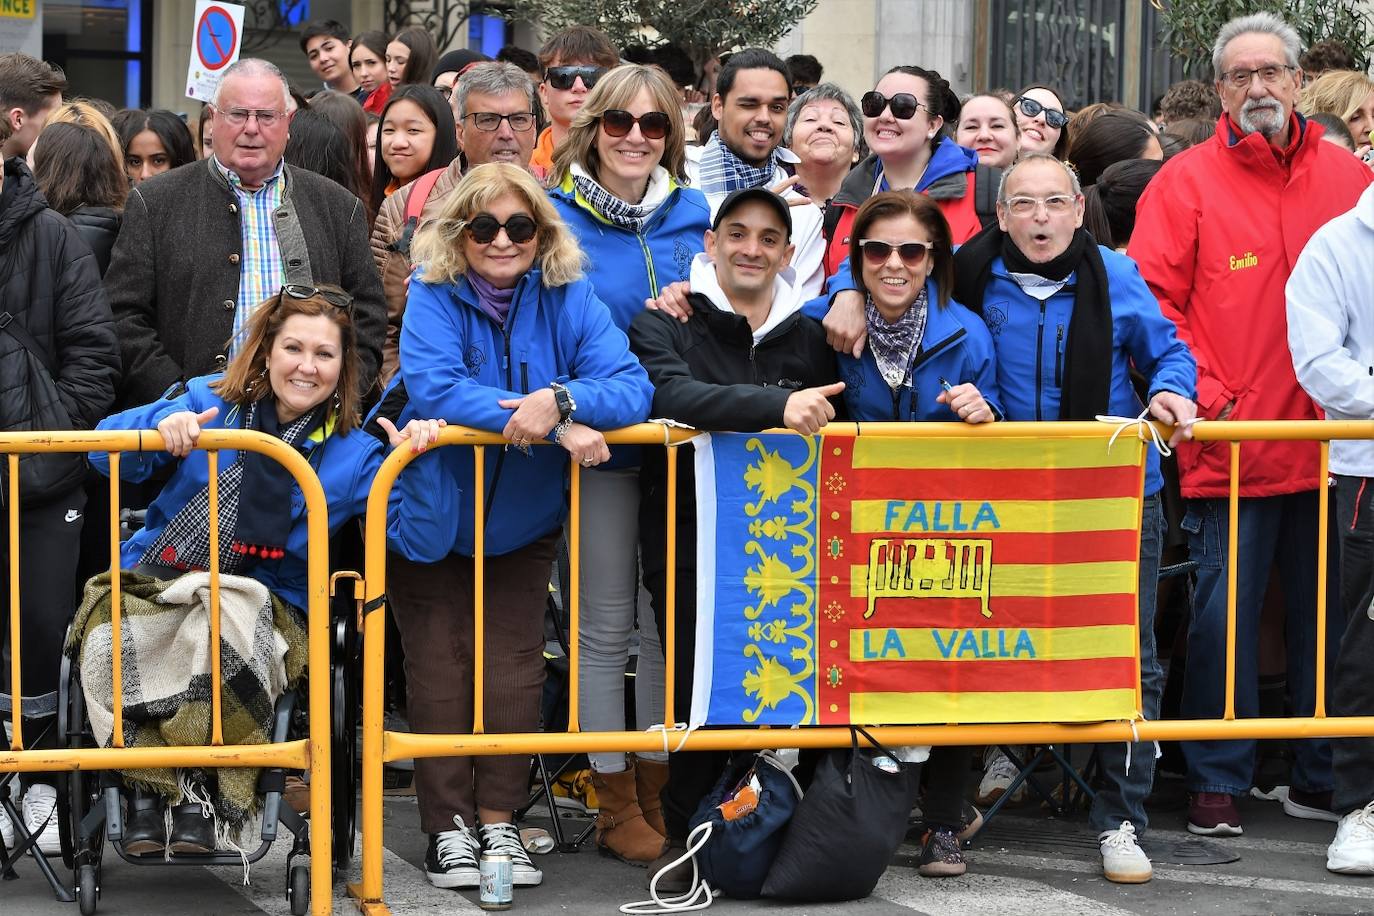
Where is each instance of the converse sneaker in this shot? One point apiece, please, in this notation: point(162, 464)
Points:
point(503, 838)
point(40, 817)
point(1352, 851)
point(998, 774)
point(1213, 814)
point(451, 860)
point(6, 831)
point(1123, 861)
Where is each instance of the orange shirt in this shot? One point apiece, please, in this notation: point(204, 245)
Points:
point(542, 159)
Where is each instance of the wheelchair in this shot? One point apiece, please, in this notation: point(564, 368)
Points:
point(89, 803)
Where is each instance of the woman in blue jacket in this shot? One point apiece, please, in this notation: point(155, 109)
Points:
point(927, 358)
point(502, 333)
point(295, 377)
point(617, 181)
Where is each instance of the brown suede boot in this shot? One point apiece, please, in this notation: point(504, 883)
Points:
point(650, 778)
point(620, 827)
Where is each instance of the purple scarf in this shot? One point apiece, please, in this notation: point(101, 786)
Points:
point(495, 302)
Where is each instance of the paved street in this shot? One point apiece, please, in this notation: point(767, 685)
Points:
point(1025, 863)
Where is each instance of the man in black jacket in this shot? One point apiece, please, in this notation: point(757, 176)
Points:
point(59, 363)
point(203, 245)
point(746, 360)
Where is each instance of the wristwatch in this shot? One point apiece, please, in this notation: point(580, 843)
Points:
point(564, 399)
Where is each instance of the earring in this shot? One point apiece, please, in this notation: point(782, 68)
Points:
point(338, 401)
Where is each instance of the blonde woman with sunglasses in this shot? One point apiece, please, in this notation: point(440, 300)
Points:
point(618, 183)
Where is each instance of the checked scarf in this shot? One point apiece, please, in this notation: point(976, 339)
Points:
point(619, 212)
point(721, 171)
point(185, 541)
point(894, 344)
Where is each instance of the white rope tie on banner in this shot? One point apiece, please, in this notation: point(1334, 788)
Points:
point(664, 730)
point(1145, 430)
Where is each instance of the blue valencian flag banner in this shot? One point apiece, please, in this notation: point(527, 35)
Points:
point(882, 580)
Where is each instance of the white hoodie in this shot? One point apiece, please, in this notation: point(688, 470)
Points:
point(1331, 327)
point(787, 299)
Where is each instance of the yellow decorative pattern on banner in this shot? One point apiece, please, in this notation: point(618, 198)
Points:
point(1034, 580)
point(1049, 706)
point(1013, 454)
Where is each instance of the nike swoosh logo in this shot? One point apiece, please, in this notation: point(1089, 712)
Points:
point(72, 515)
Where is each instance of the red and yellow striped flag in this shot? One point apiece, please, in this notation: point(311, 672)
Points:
point(886, 580)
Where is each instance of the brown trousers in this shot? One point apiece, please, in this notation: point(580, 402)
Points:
point(433, 607)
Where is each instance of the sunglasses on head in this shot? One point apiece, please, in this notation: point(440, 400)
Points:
point(903, 105)
point(1053, 116)
point(618, 122)
point(564, 77)
point(337, 298)
point(913, 254)
point(519, 228)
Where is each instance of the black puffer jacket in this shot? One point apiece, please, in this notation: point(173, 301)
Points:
point(50, 284)
point(99, 226)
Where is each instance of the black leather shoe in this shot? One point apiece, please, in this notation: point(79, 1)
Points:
point(192, 832)
point(145, 831)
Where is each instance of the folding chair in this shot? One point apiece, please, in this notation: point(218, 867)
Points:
point(42, 707)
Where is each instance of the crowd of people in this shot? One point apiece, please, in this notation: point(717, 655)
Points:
point(551, 246)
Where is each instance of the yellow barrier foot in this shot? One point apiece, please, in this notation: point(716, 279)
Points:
point(367, 907)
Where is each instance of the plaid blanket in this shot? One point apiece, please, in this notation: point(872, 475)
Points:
point(165, 630)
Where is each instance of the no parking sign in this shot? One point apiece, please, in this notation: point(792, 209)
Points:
point(215, 45)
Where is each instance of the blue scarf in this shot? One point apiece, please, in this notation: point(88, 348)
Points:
point(721, 171)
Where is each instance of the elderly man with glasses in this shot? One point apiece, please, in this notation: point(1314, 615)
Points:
point(1217, 234)
point(493, 106)
point(203, 246)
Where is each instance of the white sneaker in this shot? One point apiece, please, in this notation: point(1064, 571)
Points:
point(998, 774)
point(451, 860)
point(1123, 861)
point(1352, 851)
point(40, 817)
point(503, 838)
point(6, 831)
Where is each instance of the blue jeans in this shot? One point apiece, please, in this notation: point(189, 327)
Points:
point(1122, 796)
point(1272, 532)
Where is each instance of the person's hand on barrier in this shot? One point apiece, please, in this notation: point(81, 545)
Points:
point(1168, 407)
point(586, 446)
point(846, 328)
point(782, 187)
point(672, 299)
point(181, 431)
point(810, 409)
point(420, 433)
point(967, 403)
point(535, 416)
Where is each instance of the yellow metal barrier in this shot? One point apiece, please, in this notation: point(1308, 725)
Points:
point(381, 747)
point(311, 753)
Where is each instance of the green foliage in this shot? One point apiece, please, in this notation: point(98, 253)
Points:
point(1191, 26)
point(702, 28)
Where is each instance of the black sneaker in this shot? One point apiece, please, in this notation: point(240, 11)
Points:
point(941, 856)
point(451, 860)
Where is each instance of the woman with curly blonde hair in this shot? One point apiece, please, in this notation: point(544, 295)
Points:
point(504, 334)
point(1347, 94)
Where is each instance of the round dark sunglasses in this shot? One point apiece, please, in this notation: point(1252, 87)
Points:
point(913, 254)
point(903, 105)
point(618, 122)
point(1053, 116)
point(564, 77)
point(519, 228)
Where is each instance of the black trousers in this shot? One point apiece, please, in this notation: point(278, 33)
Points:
point(49, 544)
point(691, 774)
point(1352, 681)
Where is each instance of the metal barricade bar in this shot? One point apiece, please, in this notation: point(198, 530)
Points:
point(381, 746)
point(312, 753)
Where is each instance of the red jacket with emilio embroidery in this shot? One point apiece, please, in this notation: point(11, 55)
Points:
point(1217, 233)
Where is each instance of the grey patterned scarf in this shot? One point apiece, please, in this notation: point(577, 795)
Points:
point(895, 344)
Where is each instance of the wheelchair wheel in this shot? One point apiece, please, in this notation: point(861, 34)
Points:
point(345, 703)
point(298, 889)
point(88, 888)
point(80, 791)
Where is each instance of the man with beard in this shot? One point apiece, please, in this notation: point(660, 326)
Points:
point(1217, 233)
